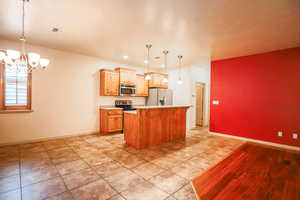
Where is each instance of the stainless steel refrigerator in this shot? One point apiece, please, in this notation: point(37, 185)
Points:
point(159, 97)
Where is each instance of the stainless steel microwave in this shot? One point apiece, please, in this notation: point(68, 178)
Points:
point(126, 90)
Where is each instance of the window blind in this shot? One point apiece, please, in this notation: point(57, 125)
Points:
point(16, 86)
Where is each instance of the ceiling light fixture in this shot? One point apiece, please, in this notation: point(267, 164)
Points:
point(148, 46)
point(165, 80)
point(22, 60)
point(180, 81)
point(125, 57)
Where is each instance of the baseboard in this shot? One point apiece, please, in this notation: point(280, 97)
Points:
point(258, 141)
point(49, 138)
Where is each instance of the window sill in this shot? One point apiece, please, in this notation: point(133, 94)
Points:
point(15, 111)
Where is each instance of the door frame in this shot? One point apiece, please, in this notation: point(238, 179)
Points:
point(203, 103)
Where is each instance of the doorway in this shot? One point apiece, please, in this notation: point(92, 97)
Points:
point(200, 104)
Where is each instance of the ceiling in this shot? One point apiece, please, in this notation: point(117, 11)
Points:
point(110, 29)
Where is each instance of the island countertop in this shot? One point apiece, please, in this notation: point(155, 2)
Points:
point(162, 107)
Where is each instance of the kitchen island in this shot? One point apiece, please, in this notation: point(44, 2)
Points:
point(149, 126)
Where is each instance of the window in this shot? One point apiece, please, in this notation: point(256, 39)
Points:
point(15, 88)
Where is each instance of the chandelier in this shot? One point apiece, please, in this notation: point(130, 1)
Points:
point(27, 62)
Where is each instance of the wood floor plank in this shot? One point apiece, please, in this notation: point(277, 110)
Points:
point(252, 172)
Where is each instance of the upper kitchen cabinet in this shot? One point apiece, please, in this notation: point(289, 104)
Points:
point(109, 82)
point(141, 86)
point(127, 76)
point(156, 80)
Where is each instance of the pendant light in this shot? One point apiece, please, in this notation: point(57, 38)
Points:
point(165, 79)
point(148, 46)
point(180, 81)
point(22, 60)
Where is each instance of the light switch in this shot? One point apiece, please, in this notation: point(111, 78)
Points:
point(215, 102)
point(280, 133)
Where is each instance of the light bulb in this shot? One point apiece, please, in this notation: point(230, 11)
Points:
point(179, 82)
point(12, 54)
point(8, 61)
point(165, 80)
point(44, 62)
point(2, 55)
point(148, 77)
point(33, 59)
point(146, 61)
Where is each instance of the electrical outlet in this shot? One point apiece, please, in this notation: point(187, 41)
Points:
point(295, 136)
point(280, 133)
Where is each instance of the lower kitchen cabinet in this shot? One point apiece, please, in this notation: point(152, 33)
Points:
point(111, 120)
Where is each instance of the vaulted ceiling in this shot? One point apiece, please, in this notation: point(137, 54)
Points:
point(110, 29)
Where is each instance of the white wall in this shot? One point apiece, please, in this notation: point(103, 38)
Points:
point(185, 93)
point(65, 98)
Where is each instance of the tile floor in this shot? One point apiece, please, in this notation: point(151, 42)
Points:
point(104, 167)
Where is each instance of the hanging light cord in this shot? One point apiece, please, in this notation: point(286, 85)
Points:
point(180, 57)
point(148, 56)
point(166, 60)
point(148, 46)
point(23, 21)
point(23, 39)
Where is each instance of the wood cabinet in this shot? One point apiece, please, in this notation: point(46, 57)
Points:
point(109, 83)
point(156, 80)
point(111, 120)
point(127, 76)
point(141, 86)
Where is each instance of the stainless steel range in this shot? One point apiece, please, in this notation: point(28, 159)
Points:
point(125, 104)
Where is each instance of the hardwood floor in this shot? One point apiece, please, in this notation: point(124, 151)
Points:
point(253, 172)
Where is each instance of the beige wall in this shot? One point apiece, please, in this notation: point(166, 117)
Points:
point(185, 93)
point(65, 98)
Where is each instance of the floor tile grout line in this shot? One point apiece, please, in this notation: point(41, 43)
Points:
point(67, 189)
point(119, 193)
point(132, 172)
point(92, 168)
point(119, 148)
point(70, 191)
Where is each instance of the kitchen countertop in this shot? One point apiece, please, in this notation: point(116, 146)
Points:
point(131, 112)
point(110, 108)
point(160, 107)
point(145, 107)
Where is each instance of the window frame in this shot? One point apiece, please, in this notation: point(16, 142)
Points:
point(3, 107)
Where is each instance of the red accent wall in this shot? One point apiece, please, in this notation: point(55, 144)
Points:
point(258, 96)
